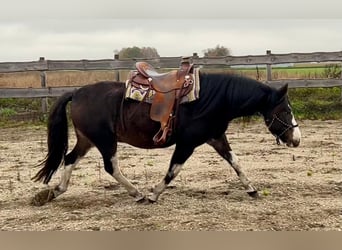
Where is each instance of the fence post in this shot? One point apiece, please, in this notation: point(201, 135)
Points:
point(44, 100)
point(268, 68)
point(117, 72)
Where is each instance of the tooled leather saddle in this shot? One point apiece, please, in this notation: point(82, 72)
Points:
point(168, 89)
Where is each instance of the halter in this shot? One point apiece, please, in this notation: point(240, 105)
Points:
point(288, 126)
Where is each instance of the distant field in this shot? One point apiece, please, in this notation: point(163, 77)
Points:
point(286, 73)
point(54, 79)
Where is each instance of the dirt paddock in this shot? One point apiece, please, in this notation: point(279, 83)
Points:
point(300, 188)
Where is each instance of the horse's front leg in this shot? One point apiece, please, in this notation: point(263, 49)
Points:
point(112, 167)
point(223, 148)
point(180, 155)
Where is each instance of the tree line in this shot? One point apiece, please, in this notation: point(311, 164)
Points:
point(150, 52)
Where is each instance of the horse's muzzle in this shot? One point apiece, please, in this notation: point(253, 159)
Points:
point(293, 143)
point(296, 136)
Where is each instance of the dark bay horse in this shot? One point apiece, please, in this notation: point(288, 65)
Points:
point(102, 118)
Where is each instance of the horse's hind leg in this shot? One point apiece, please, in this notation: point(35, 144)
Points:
point(70, 162)
point(71, 159)
point(223, 148)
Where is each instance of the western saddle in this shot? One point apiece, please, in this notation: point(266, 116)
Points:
point(168, 88)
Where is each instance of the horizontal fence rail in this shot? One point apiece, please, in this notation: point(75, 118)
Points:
point(168, 62)
point(106, 64)
point(35, 92)
point(58, 91)
point(269, 60)
point(307, 83)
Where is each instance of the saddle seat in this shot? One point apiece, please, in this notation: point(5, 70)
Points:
point(164, 82)
point(169, 88)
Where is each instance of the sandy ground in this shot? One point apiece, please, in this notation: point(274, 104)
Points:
point(300, 188)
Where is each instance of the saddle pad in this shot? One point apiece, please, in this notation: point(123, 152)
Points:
point(139, 93)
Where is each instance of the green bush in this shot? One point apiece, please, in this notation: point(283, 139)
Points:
point(7, 112)
point(316, 103)
point(332, 71)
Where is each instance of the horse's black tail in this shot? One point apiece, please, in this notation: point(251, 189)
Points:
point(57, 139)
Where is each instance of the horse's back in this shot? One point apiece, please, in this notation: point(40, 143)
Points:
point(100, 109)
point(98, 90)
point(96, 104)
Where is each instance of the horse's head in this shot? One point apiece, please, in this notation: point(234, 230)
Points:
point(280, 120)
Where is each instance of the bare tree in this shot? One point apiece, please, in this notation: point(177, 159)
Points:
point(136, 52)
point(149, 52)
point(130, 52)
point(217, 51)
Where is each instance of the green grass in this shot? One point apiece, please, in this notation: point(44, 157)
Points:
point(288, 72)
point(11, 108)
point(299, 72)
point(21, 104)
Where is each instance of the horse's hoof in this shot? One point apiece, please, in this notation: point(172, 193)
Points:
point(150, 201)
point(253, 194)
point(140, 200)
point(152, 198)
point(42, 197)
point(146, 201)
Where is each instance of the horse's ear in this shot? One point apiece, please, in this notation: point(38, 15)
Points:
point(283, 90)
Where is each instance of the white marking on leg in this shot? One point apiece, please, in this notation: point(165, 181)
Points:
point(122, 180)
point(234, 157)
point(65, 179)
point(176, 169)
point(157, 190)
point(243, 178)
point(160, 187)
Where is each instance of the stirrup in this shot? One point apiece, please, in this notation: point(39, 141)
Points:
point(160, 137)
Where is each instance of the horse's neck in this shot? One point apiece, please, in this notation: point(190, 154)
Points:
point(246, 102)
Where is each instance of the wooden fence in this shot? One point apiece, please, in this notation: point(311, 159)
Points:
point(115, 64)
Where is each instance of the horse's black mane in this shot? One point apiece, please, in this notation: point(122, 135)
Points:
point(244, 95)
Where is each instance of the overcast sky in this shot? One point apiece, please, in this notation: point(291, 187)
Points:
point(78, 29)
